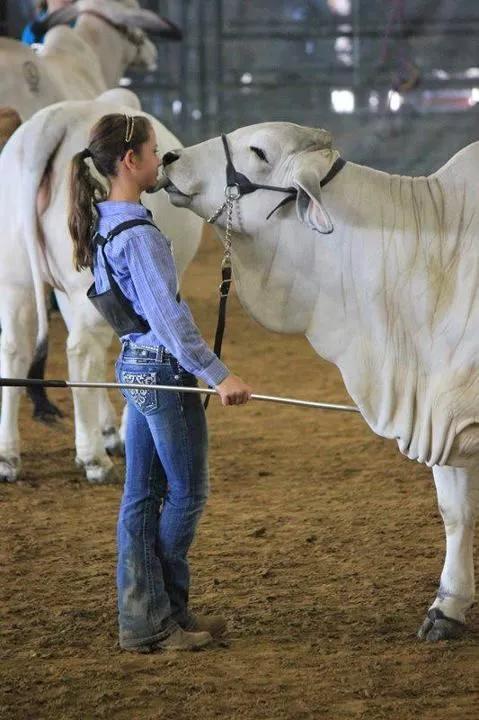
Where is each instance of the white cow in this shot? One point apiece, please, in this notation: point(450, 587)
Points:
point(36, 250)
point(381, 273)
point(79, 63)
point(74, 63)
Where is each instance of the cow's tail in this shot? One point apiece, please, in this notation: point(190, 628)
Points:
point(41, 137)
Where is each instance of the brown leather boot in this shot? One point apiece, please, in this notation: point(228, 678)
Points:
point(215, 625)
point(178, 639)
point(181, 639)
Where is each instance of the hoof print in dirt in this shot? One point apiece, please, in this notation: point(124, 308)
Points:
point(438, 626)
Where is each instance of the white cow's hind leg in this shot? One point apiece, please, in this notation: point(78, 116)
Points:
point(124, 418)
point(87, 343)
point(112, 441)
point(17, 345)
point(458, 499)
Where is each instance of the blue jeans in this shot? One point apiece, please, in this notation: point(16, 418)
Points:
point(166, 487)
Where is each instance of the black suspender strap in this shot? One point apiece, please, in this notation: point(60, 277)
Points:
point(103, 241)
point(123, 302)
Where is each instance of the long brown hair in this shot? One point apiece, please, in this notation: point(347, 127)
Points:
point(107, 145)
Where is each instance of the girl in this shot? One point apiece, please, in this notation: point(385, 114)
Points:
point(166, 440)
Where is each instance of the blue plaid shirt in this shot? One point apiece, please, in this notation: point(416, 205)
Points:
point(142, 264)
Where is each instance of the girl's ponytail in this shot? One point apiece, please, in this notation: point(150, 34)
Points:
point(84, 189)
point(110, 138)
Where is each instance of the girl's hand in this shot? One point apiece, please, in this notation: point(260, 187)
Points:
point(234, 391)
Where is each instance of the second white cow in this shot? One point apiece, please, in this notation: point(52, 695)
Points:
point(36, 251)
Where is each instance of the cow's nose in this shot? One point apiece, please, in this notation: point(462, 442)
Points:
point(169, 158)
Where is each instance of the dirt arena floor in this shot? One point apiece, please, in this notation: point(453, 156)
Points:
point(320, 543)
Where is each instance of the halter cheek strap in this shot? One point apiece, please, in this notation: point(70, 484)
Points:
point(243, 186)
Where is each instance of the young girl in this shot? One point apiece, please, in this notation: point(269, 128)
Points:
point(166, 440)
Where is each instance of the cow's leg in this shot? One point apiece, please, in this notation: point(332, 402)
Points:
point(88, 340)
point(458, 499)
point(17, 342)
point(112, 441)
point(124, 417)
point(43, 410)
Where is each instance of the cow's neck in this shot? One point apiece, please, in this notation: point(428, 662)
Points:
point(107, 44)
point(365, 296)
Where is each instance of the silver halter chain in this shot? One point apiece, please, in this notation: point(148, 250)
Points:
point(232, 195)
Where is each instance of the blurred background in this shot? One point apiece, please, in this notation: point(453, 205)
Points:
point(396, 81)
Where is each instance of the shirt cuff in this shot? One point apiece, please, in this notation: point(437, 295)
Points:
point(214, 373)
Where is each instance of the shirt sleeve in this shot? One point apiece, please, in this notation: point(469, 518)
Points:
point(153, 273)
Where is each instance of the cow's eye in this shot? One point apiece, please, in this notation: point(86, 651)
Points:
point(260, 153)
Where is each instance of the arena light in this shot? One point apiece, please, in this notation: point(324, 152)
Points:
point(125, 82)
point(343, 47)
point(395, 100)
point(474, 98)
point(342, 101)
point(246, 78)
point(440, 74)
point(176, 107)
point(373, 100)
point(340, 7)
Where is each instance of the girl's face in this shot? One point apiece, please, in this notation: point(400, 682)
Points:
point(147, 163)
point(53, 5)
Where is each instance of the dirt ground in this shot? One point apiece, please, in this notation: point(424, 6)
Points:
point(320, 543)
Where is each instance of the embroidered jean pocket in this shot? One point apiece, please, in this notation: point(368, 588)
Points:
point(145, 399)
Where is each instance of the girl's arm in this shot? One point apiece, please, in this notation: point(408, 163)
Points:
point(153, 273)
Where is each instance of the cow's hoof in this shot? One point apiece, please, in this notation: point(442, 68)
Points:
point(46, 412)
point(113, 443)
point(437, 626)
point(9, 469)
point(98, 472)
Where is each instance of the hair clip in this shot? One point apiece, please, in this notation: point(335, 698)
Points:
point(130, 126)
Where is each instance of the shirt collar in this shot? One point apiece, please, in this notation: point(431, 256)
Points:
point(108, 208)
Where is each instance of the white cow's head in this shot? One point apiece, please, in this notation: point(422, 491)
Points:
point(131, 21)
point(276, 153)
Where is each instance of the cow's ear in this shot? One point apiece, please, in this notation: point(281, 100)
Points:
point(135, 17)
point(63, 16)
point(309, 206)
point(324, 138)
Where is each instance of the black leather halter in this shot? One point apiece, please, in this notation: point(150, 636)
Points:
point(244, 186)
